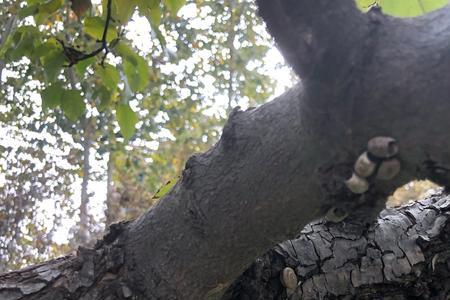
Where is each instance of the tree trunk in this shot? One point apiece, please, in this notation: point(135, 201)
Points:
point(83, 235)
point(280, 166)
point(9, 27)
point(110, 206)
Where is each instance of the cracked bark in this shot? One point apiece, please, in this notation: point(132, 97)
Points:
point(280, 166)
point(404, 254)
point(96, 273)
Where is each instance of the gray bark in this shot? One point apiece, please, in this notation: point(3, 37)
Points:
point(280, 166)
point(405, 254)
point(87, 274)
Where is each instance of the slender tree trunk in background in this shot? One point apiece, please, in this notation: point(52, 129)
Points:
point(284, 164)
point(83, 235)
point(109, 214)
point(231, 61)
point(10, 25)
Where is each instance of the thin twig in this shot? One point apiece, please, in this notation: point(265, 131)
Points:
point(74, 56)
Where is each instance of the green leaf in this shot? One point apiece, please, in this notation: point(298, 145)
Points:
point(51, 96)
point(144, 4)
point(430, 5)
point(410, 8)
point(364, 5)
point(162, 191)
point(28, 10)
point(124, 50)
point(81, 66)
point(137, 73)
point(121, 11)
point(72, 104)
point(51, 6)
point(105, 96)
point(21, 43)
point(127, 120)
point(174, 5)
point(155, 16)
point(109, 75)
point(124, 10)
point(94, 26)
point(45, 48)
point(151, 10)
point(135, 68)
point(53, 63)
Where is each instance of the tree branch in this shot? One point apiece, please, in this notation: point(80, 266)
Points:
point(319, 39)
point(74, 56)
point(283, 164)
point(402, 255)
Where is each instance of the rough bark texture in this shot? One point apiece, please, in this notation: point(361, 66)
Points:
point(280, 166)
point(405, 254)
point(97, 273)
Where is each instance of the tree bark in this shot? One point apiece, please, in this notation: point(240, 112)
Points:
point(282, 165)
point(405, 254)
point(87, 274)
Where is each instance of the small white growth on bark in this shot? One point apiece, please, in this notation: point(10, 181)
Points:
point(357, 185)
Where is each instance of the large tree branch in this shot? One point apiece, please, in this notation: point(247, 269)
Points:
point(320, 39)
point(279, 166)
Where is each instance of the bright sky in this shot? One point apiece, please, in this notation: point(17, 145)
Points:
point(138, 31)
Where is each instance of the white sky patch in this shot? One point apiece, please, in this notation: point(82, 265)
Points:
point(139, 31)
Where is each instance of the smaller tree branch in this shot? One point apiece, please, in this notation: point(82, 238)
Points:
point(314, 34)
point(96, 273)
point(74, 56)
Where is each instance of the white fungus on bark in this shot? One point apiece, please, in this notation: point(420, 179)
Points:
point(289, 278)
point(364, 167)
point(382, 146)
point(388, 169)
point(357, 184)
